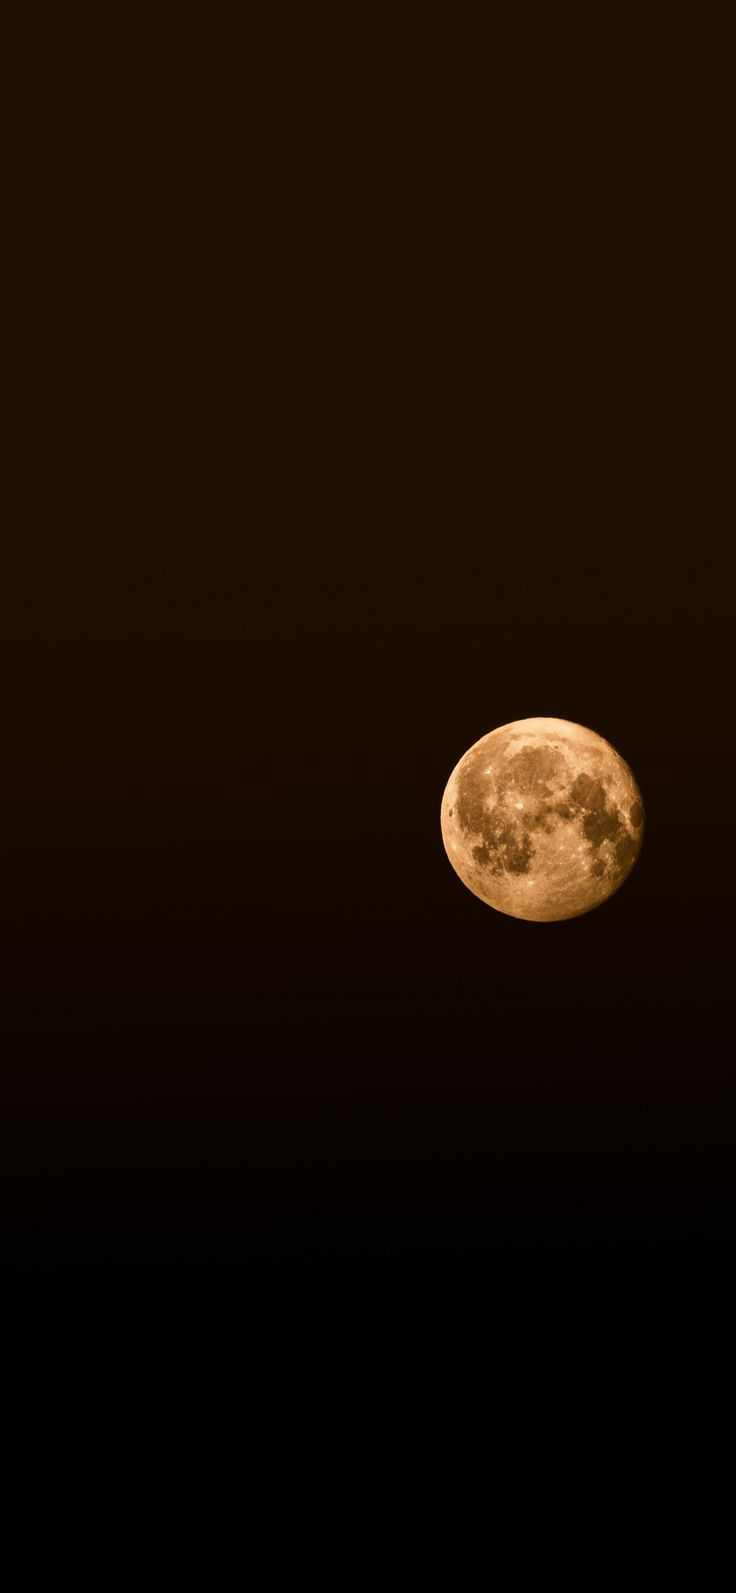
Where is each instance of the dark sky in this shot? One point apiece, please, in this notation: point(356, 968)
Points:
point(368, 391)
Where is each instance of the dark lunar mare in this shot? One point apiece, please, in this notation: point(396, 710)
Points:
point(506, 848)
point(602, 821)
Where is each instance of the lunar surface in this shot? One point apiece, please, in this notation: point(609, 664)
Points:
point(542, 819)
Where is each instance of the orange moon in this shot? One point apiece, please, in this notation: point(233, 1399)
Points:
point(542, 819)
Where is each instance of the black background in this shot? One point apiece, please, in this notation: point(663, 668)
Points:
point(371, 386)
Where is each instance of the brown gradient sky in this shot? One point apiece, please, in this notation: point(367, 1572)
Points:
point(366, 392)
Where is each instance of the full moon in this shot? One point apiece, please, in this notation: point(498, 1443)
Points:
point(542, 819)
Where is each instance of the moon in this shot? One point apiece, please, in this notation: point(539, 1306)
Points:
point(542, 819)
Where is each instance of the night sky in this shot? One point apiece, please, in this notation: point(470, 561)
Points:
point(367, 393)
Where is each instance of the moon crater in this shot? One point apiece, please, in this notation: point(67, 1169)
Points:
point(542, 819)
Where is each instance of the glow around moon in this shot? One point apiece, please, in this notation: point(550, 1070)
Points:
point(542, 819)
